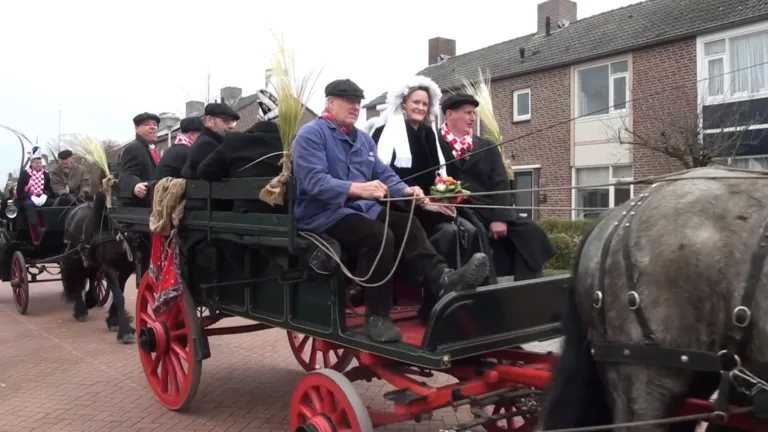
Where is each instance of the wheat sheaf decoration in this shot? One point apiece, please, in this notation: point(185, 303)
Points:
point(481, 90)
point(92, 150)
point(292, 93)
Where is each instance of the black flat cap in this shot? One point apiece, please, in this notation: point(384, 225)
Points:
point(458, 100)
point(344, 88)
point(191, 124)
point(141, 118)
point(64, 154)
point(221, 110)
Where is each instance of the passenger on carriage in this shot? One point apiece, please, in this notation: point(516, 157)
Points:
point(137, 164)
point(407, 142)
point(34, 189)
point(219, 120)
point(520, 247)
point(174, 158)
point(69, 180)
point(339, 179)
point(255, 153)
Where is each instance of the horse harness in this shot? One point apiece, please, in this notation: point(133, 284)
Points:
point(726, 362)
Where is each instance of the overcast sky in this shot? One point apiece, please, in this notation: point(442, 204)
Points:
point(103, 62)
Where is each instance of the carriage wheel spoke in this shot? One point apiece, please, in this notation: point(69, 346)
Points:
point(180, 351)
point(156, 362)
point(150, 299)
point(147, 318)
point(313, 356)
point(163, 376)
point(178, 368)
point(302, 344)
point(173, 377)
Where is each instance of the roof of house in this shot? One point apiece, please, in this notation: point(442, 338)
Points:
point(250, 114)
point(620, 30)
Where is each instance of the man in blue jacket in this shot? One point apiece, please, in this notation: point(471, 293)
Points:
point(339, 179)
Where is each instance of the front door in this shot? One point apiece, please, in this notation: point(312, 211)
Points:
point(524, 200)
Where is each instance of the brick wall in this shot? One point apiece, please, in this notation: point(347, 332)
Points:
point(550, 148)
point(664, 96)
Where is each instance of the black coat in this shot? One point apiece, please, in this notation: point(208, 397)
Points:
point(172, 162)
point(23, 181)
point(205, 144)
point(136, 166)
point(235, 158)
point(484, 172)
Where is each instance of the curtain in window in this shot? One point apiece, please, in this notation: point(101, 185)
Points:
point(592, 176)
point(748, 56)
point(593, 91)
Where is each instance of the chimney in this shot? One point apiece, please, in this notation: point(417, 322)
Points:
point(193, 108)
point(440, 49)
point(230, 95)
point(553, 12)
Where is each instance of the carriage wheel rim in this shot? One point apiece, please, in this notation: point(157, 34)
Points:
point(170, 381)
point(311, 357)
point(19, 283)
point(102, 294)
point(519, 424)
point(326, 399)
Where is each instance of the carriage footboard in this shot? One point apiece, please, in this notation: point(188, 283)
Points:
point(497, 316)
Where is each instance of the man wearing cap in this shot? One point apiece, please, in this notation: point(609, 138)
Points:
point(219, 119)
point(339, 179)
point(174, 158)
point(34, 190)
point(137, 164)
point(69, 180)
point(255, 153)
point(520, 246)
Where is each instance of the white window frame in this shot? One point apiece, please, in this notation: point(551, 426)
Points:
point(728, 161)
point(515, 116)
point(613, 181)
point(703, 64)
point(611, 87)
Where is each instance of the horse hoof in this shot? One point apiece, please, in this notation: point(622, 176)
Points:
point(83, 318)
point(128, 339)
point(112, 328)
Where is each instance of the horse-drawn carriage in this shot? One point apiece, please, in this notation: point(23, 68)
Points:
point(258, 266)
point(26, 254)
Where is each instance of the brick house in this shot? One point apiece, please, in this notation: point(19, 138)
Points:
point(572, 95)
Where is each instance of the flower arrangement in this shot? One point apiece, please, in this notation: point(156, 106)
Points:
point(448, 189)
point(293, 93)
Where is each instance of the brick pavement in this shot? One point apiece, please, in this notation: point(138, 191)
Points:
point(58, 375)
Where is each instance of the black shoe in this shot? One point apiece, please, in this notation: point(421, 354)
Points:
point(381, 329)
point(467, 277)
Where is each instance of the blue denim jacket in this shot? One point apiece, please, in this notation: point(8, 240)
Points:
point(325, 164)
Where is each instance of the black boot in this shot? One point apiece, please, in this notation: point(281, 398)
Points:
point(465, 278)
point(378, 323)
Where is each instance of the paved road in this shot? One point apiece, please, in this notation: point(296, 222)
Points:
point(58, 375)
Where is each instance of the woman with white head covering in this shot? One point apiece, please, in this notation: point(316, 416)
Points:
point(407, 141)
point(33, 189)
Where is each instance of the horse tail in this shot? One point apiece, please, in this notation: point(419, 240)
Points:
point(576, 396)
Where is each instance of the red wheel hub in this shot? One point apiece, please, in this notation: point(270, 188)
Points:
point(325, 401)
point(166, 348)
point(318, 423)
point(524, 423)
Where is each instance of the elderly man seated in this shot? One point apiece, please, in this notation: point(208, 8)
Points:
point(338, 180)
point(69, 180)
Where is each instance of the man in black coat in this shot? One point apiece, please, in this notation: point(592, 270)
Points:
point(174, 158)
point(520, 247)
point(219, 119)
point(137, 165)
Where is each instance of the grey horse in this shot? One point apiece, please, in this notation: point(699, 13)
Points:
point(690, 246)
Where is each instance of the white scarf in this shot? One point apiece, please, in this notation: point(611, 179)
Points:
point(394, 141)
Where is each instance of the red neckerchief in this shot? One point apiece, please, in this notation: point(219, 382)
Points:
point(155, 154)
point(183, 139)
point(328, 116)
point(459, 146)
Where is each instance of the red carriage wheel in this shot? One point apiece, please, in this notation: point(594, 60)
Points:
point(325, 401)
point(313, 354)
point(100, 285)
point(19, 282)
point(520, 424)
point(168, 346)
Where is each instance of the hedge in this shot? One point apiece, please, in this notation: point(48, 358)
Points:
point(565, 236)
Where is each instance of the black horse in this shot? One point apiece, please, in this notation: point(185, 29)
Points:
point(101, 250)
